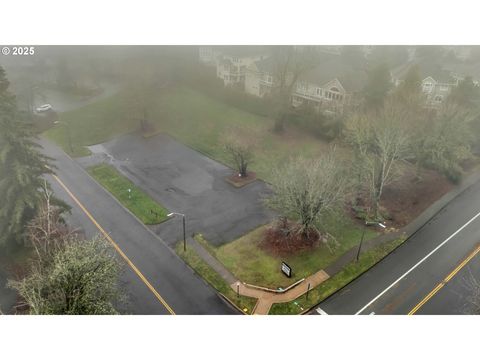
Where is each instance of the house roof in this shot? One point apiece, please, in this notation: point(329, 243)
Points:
point(352, 80)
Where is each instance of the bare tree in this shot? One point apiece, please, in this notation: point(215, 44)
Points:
point(380, 142)
point(308, 189)
point(69, 275)
point(239, 145)
point(289, 62)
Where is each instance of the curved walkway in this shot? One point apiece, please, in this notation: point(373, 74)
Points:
point(265, 298)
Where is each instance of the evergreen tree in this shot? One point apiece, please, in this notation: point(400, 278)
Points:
point(409, 93)
point(466, 94)
point(378, 85)
point(21, 168)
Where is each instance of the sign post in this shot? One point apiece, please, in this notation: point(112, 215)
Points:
point(287, 270)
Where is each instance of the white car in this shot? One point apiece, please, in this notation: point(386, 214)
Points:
point(43, 108)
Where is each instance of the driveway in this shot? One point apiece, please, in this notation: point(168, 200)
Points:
point(63, 102)
point(185, 181)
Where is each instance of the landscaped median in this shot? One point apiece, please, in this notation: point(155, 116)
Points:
point(134, 199)
point(251, 262)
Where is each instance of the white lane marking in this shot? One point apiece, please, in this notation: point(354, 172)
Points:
point(320, 311)
point(417, 264)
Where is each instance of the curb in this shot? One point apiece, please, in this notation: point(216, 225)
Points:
point(230, 302)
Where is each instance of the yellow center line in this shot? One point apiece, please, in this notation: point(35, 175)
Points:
point(117, 248)
point(447, 279)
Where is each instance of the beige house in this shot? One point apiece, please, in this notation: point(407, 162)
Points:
point(437, 90)
point(259, 77)
point(437, 83)
point(331, 86)
point(233, 61)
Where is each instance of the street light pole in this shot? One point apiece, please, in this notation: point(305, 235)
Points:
point(360, 245)
point(184, 237)
point(184, 232)
point(363, 236)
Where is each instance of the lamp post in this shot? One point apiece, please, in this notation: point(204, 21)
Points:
point(183, 220)
point(363, 235)
point(69, 137)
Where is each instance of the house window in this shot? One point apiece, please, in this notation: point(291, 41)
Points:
point(235, 59)
point(427, 87)
point(334, 89)
point(438, 98)
point(319, 92)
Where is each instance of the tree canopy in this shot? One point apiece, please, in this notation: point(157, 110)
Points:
point(378, 85)
point(21, 168)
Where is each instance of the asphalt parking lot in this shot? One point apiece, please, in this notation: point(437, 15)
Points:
point(185, 181)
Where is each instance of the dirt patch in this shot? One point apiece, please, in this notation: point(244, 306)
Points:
point(284, 238)
point(239, 181)
point(413, 193)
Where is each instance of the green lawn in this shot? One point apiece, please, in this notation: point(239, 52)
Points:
point(193, 118)
point(205, 271)
point(136, 201)
point(92, 124)
point(248, 262)
point(325, 289)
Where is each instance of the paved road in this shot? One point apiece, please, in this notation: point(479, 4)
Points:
point(188, 182)
point(385, 289)
point(175, 282)
point(62, 102)
point(453, 298)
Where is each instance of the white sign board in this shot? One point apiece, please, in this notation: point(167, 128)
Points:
point(287, 270)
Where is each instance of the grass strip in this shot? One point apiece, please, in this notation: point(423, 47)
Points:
point(245, 303)
point(135, 200)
